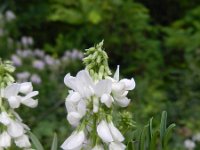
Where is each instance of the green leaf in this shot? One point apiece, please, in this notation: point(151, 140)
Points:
point(130, 146)
point(54, 145)
point(142, 139)
point(167, 135)
point(35, 141)
point(150, 128)
point(154, 139)
point(163, 126)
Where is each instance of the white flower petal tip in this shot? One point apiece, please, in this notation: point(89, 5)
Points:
point(107, 100)
point(15, 129)
point(74, 97)
point(98, 147)
point(14, 102)
point(23, 141)
point(129, 84)
point(116, 134)
point(116, 146)
point(123, 102)
point(116, 75)
point(74, 141)
point(74, 118)
point(5, 140)
point(26, 87)
point(104, 132)
point(4, 118)
point(30, 102)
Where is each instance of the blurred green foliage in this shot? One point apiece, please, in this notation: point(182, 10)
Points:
point(156, 42)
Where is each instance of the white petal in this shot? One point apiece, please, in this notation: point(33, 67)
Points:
point(11, 90)
point(84, 77)
point(70, 106)
point(98, 147)
point(123, 102)
point(5, 140)
point(116, 146)
point(81, 107)
point(103, 87)
point(74, 118)
point(117, 87)
point(29, 102)
point(84, 83)
point(26, 87)
point(95, 104)
point(15, 129)
point(104, 132)
point(116, 75)
point(31, 94)
point(70, 81)
point(107, 100)
point(4, 118)
point(23, 141)
point(74, 141)
point(129, 84)
point(14, 101)
point(116, 134)
point(74, 97)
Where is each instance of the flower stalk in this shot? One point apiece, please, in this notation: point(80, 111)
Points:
point(92, 96)
point(12, 95)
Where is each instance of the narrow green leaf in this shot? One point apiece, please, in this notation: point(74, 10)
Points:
point(150, 128)
point(142, 139)
point(35, 141)
point(130, 146)
point(154, 139)
point(54, 145)
point(167, 135)
point(163, 126)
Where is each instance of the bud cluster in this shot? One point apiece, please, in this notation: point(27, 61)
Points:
point(92, 96)
point(6, 69)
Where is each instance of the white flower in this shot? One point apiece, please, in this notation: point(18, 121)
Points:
point(74, 118)
point(82, 83)
point(15, 129)
point(4, 118)
point(189, 144)
point(23, 141)
point(120, 89)
point(104, 132)
point(116, 134)
point(29, 101)
point(98, 147)
point(74, 142)
point(26, 87)
point(73, 97)
point(10, 93)
point(110, 134)
point(75, 111)
point(103, 90)
point(116, 146)
point(5, 140)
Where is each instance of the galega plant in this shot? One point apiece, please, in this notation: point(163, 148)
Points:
point(93, 94)
point(12, 96)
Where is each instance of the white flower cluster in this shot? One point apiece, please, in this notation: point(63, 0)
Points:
point(11, 125)
point(91, 98)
